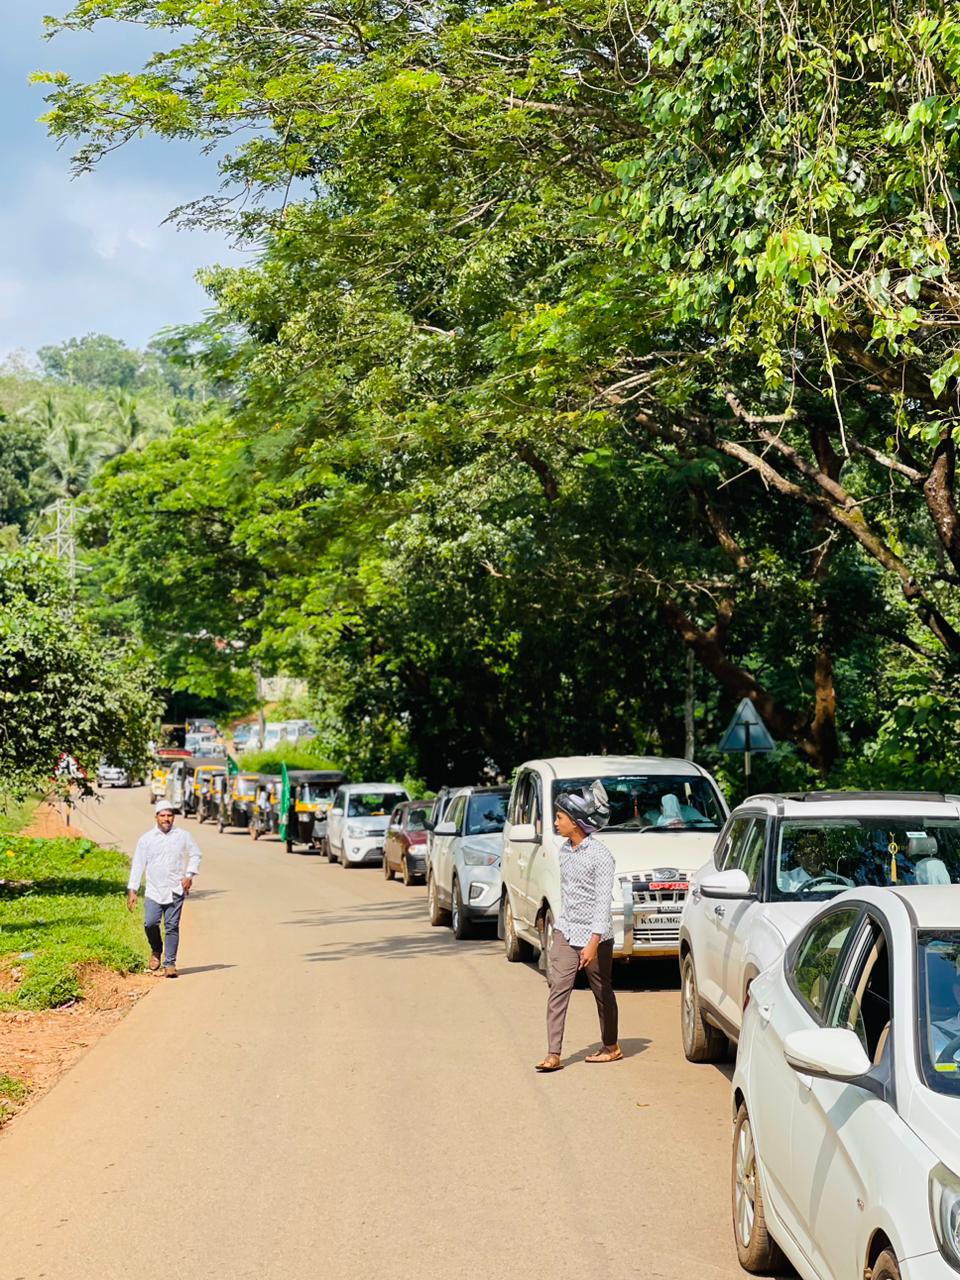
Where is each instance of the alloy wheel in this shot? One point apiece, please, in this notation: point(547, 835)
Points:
point(745, 1187)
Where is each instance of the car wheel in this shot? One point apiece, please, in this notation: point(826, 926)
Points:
point(220, 825)
point(289, 844)
point(885, 1267)
point(546, 937)
point(388, 872)
point(345, 862)
point(459, 920)
point(405, 873)
point(331, 856)
point(757, 1250)
point(437, 913)
point(701, 1042)
point(515, 947)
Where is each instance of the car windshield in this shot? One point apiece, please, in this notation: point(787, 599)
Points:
point(316, 793)
point(487, 813)
point(938, 1008)
point(373, 804)
point(246, 786)
point(418, 816)
point(817, 857)
point(655, 802)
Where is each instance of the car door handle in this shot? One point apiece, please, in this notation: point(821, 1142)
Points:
point(763, 1013)
point(719, 911)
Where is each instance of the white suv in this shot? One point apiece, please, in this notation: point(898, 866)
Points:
point(776, 861)
point(664, 818)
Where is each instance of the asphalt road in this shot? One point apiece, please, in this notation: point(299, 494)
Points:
point(333, 1088)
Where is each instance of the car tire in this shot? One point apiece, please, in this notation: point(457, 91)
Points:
point(346, 863)
point(546, 937)
point(885, 1267)
point(220, 825)
point(701, 1042)
point(388, 871)
point(406, 875)
point(459, 920)
point(331, 856)
point(438, 915)
point(757, 1250)
point(515, 948)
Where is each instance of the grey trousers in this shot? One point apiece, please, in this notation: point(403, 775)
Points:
point(564, 965)
point(169, 913)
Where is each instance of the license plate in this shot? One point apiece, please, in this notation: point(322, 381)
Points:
point(656, 919)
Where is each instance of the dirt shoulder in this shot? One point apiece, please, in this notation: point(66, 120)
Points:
point(37, 1048)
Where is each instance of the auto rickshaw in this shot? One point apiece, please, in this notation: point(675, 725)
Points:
point(208, 782)
point(311, 795)
point(266, 805)
point(237, 800)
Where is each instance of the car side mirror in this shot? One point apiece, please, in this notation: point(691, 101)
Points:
point(730, 884)
point(445, 829)
point(523, 833)
point(831, 1053)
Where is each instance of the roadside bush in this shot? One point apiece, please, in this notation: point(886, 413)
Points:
point(62, 905)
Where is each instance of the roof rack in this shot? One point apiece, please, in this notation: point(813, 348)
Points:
point(829, 796)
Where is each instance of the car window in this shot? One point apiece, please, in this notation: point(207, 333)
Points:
point(655, 802)
point(455, 813)
point(726, 856)
point(417, 817)
point(338, 800)
point(522, 799)
point(938, 1008)
point(372, 804)
point(817, 957)
point(749, 851)
point(486, 813)
point(860, 1001)
point(818, 857)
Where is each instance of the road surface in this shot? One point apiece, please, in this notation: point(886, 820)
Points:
point(335, 1089)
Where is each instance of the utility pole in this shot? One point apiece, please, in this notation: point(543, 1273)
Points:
point(64, 534)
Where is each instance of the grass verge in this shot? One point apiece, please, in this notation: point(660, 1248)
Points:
point(62, 905)
point(13, 1092)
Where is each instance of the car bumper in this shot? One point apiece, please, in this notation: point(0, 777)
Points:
point(926, 1266)
point(362, 850)
point(481, 892)
point(417, 861)
point(642, 929)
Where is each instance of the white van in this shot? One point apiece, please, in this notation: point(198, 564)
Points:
point(357, 822)
point(664, 818)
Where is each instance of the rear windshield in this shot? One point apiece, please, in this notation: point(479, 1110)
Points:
point(316, 792)
point(818, 857)
point(487, 814)
point(373, 805)
point(418, 816)
point(655, 802)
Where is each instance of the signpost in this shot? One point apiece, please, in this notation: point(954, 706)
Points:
point(746, 732)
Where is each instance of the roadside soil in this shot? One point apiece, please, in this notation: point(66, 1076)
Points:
point(37, 1048)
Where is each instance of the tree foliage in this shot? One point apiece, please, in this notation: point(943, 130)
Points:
point(583, 337)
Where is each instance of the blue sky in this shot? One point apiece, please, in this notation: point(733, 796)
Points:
point(90, 254)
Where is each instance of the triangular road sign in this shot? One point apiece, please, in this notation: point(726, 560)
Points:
point(736, 737)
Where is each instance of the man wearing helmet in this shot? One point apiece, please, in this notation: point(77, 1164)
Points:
point(583, 933)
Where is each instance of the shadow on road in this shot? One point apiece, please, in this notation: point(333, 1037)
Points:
point(205, 893)
point(631, 1049)
point(204, 968)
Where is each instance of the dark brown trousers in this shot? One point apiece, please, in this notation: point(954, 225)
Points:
point(563, 968)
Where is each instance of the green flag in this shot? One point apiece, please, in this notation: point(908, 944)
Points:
point(232, 767)
point(284, 800)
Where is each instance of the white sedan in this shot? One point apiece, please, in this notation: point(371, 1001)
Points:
point(846, 1145)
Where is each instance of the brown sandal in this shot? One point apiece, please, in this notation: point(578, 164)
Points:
point(605, 1055)
point(548, 1065)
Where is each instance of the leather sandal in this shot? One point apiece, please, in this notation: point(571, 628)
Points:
point(550, 1063)
point(605, 1055)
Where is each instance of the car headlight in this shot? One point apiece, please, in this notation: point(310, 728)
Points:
point(945, 1212)
point(474, 858)
point(355, 830)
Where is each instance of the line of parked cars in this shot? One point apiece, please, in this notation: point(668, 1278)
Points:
point(817, 933)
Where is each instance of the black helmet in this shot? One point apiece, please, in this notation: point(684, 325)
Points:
point(589, 807)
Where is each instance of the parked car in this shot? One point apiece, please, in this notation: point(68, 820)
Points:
point(776, 860)
point(846, 1140)
point(664, 818)
point(463, 876)
point(405, 846)
point(357, 823)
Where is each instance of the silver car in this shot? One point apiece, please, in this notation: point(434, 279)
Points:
point(357, 822)
point(463, 876)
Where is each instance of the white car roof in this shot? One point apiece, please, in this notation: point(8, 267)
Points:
point(374, 786)
point(933, 906)
point(858, 804)
point(611, 766)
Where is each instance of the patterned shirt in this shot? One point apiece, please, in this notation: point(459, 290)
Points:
point(586, 891)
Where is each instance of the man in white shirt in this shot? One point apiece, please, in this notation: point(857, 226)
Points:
point(170, 859)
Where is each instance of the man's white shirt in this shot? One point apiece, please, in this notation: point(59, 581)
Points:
point(167, 857)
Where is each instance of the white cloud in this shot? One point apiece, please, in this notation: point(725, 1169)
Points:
point(93, 255)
